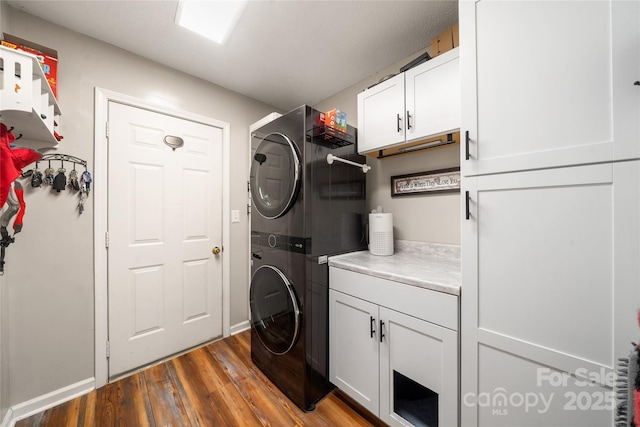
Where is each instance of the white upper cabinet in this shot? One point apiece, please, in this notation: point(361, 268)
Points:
point(28, 104)
point(381, 115)
point(432, 96)
point(626, 78)
point(548, 84)
point(420, 103)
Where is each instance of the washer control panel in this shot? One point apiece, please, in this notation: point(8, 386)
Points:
point(279, 241)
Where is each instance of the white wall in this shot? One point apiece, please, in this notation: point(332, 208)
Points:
point(50, 267)
point(49, 281)
point(423, 218)
point(4, 297)
point(4, 348)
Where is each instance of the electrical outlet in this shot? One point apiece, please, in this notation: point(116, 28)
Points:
point(235, 216)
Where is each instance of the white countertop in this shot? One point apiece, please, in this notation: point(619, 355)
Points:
point(428, 265)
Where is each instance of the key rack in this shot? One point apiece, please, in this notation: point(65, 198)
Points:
point(78, 182)
point(63, 158)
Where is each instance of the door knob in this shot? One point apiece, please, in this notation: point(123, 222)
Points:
point(216, 250)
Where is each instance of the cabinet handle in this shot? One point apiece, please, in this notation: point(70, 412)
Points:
point(408, 120)
point(399, 120)
point(381, 330)
point(466, 144)
point(372, 326)
point(466, 193)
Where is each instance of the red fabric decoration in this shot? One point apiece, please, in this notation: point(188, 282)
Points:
point(12, 161)
point(17, 223)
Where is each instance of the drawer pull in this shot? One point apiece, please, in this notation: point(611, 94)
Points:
point(466, 145)
point(372, 326)
point(468, 201)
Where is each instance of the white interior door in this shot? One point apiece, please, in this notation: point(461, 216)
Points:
point(164, 219)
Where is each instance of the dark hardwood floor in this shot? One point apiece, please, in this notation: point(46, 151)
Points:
point(215, 385)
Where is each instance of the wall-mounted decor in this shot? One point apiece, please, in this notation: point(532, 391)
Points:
point(78, 181)
point(436, 181)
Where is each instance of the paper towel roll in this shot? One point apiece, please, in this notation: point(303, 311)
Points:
point(381, 234)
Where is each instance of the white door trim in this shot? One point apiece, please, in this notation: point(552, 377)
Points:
point(102, 98)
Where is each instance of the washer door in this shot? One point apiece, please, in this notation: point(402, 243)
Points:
point(275, 175)
point(274, 309)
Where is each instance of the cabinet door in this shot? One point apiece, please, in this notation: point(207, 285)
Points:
point(418, 372)
point(550, 274)
point(353, 349)
point(432, 98)
point(625, 58)
point(381, 115)
point(541, 88)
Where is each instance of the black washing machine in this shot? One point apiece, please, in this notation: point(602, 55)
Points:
point(303, 210)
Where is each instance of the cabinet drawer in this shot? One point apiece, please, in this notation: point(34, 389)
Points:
point(432, 306)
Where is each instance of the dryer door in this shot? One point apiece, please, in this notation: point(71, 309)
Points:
point(275, 175)
point(275, 315)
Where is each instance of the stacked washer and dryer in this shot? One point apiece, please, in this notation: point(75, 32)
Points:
point(303, 210)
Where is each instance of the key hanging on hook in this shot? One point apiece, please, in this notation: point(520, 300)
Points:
point(49, 174)
point(60, 181)
point(73, 179)
point(36, 177)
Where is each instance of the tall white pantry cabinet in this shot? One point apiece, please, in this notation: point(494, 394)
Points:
point(551, 208)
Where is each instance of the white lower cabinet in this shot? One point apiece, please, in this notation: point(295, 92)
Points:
point(550, 277)
point(401, 367)
point(353, 353)
point(418, 372)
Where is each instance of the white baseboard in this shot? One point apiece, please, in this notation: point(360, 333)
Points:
point(31, 407)
point(240, 327)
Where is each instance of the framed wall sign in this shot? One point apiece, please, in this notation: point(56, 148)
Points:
point(436, 181)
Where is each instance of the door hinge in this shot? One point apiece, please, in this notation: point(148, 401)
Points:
point(108, 349)
point(106, 240)
point(248, 208)
point(248, 186)
point(106, 130)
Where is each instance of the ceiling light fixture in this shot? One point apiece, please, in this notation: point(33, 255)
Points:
point(213, 19)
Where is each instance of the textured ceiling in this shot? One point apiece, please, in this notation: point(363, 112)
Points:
point(283, 53)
